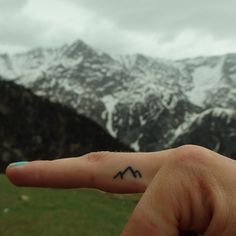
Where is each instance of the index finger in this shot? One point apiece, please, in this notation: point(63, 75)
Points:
point(108, 171)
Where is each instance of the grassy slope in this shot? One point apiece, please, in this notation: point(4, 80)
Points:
point(62, 212)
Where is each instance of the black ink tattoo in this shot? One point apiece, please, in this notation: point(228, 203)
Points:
point(121, 174)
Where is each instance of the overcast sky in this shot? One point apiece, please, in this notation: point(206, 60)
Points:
point(160, 28)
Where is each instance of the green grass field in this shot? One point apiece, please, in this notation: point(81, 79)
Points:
point(62, 212)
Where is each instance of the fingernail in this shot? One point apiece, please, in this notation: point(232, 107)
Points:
point(20, 163)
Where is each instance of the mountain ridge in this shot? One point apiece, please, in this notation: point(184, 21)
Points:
point(142, 101)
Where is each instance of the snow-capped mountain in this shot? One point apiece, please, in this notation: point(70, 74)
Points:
point(213, 128)
point(144, 102)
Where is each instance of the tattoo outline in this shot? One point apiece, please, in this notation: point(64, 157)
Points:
point(135, 173)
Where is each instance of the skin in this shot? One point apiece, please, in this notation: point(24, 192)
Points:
point(188, 188)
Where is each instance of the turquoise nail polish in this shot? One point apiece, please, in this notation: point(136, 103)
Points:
point(20, 163)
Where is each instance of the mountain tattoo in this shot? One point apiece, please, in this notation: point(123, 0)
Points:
point(135, 173)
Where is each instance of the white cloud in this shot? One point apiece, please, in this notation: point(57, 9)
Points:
point(63, 22)
point(160, 28)
point(167, 16)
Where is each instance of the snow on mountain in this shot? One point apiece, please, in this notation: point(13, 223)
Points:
point(210, 79)
point(214, 129)
point(205, 78)
point(144, 102)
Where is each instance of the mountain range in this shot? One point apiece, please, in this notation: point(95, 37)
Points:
point(146, 103)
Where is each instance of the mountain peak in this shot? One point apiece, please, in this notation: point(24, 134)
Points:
point(77, 48)
point(79, 44)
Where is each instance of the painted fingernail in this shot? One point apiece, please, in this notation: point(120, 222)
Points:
point(19, 163)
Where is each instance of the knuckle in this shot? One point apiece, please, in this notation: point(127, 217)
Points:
point(97, 156)
point(189, 149)
point(193, 162)
point(190, 154)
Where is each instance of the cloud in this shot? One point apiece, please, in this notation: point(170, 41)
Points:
point(62, 21)
point(160, 28)
point(168, 16)
point(11, 5)
point(17, 30)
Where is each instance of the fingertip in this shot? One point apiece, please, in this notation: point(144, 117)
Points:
point(14, 172)
point(11, 175)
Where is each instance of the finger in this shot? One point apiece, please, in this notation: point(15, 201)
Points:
point(162, 210)
point(112, 172)
point(154, 213)
point(180, 197)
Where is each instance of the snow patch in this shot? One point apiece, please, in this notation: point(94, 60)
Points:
point(110, 103)
point(205, 78)
point(135, 145)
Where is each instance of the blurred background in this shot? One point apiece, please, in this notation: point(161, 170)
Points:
point(134, 75)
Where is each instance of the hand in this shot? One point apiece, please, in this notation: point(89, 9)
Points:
point(188, 188)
